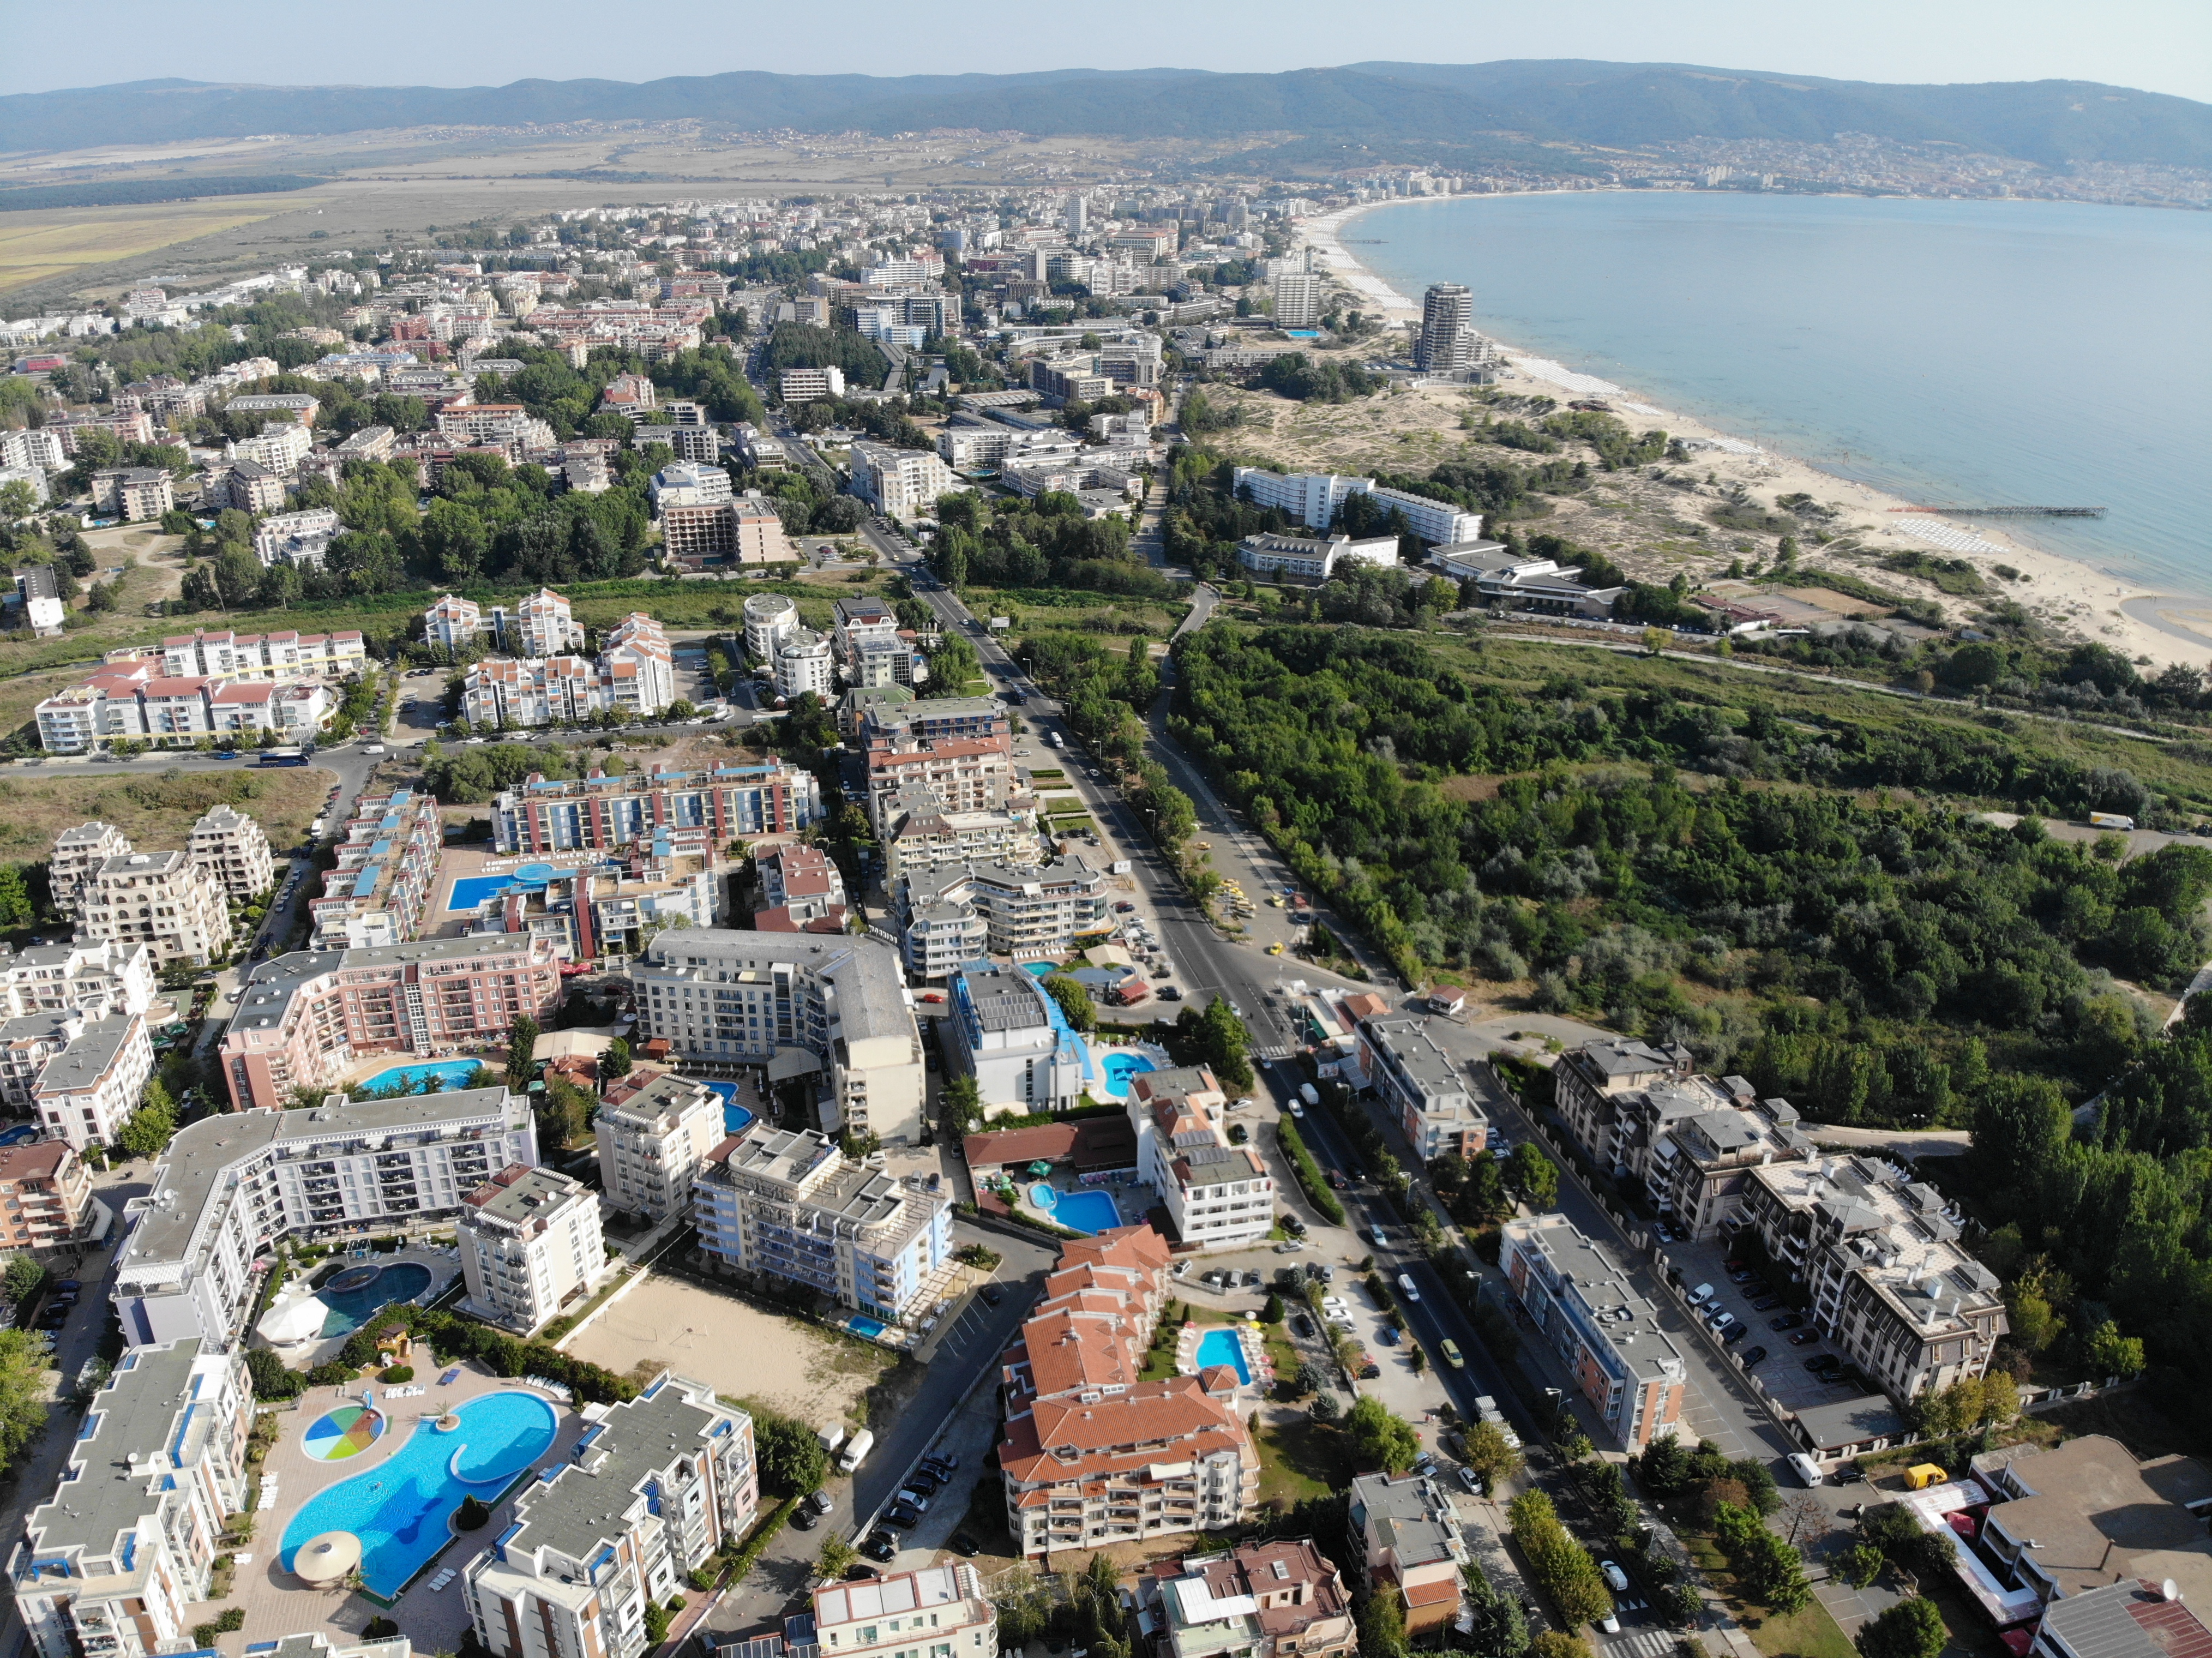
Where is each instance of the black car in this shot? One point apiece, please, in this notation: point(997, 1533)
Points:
point(1734, 1333)
point(960, 1543)
point(804, 1518)
point(1751, 1355)
point(1765, 1302)
point(994, 1294)
point(1787, 1321)
point(899, 1514)
point(923, 1482)
point(68, 1286)
point(942, 1464)
point(1168, 993)
point(880, 1546)
point(1302, 1325)
point(1818, 1364)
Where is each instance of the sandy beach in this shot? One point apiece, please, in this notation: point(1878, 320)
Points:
point(2072, 596)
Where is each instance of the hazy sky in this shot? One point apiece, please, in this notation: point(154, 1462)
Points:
point(2162, 45)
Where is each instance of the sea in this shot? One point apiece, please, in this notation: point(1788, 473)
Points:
point(1990, 352)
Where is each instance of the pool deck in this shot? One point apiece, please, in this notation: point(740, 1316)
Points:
point(277, 1604)
point(1248, 1336)
point(445, 1266)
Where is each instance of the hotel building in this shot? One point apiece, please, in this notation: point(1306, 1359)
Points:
point(233, 849)
point(655, 1133)
point(940, 1612)
point(1410, 1546)
point(1281, 1599)
point(93, 1073)
point(684, 811)
point(387, 864)
point(1217, 1196)
point(531, 1246)
point(233, 1184)
point(1008, 1033)
point(303, 1018)
point(166, 900)
point(1422, 1088)
point(96, 977)
point(1027, 914)
point(50, 1194)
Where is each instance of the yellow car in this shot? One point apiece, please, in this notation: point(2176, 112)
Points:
point(1452, 1355)
point(1274, 950)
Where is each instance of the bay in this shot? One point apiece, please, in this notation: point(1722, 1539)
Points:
point(1967, 352)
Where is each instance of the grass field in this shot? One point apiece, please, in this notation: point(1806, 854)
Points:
point(35, 246)
point(156, 809)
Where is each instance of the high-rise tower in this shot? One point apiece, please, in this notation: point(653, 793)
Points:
point(1447, 340)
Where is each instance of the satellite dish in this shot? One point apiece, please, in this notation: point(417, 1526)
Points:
point(2170, 1589)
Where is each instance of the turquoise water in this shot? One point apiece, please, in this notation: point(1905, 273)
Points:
point(1089, 1212)
point(450, 1073)
point(1042, 969)
point(2042, 353)
point(1119, 1068)
point(862, 1325)
point(398, 1509)
point(351, 1309)
point(735, 1118)
point(1224, 1347)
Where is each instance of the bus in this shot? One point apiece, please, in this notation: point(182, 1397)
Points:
point(283, 757)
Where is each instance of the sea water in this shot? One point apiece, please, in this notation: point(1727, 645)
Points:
point(1952, 352)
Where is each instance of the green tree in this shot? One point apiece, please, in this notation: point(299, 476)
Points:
point(2112, 1353)
point(152, 1126)
point(1910, 1629)
point(1074, 1000)
point(563, 1113)
point(1535, 1176)
point(1860, 1564)
point(1380, 1439)
point(1553, 1643)
point(1496, 1627)
point(1487, 1451)
point(23, 1393)
point(791, 1460)
point(22, 1279)
point(837, 1557)
point(615, 1063)
point(960, 1105)
point(14, 897)
point(521, 1043)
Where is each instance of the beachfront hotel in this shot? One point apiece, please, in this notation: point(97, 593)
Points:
point(1092, 1456)
point(652, 1491)
point(787, 1203)
point(233, 1184)
point(304, 1018)
point(109, 1564)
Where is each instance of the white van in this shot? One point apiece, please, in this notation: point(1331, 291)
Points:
point(1805, 1467)
point(1310, 1094)
point(1701, 1295)
point(1407, 1287)
point(862, 1443)
point(372, 748)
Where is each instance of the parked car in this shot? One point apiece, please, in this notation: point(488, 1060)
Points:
point(1818, 1364)
point(1759, 1304)
point(1615, 1579)
point(880, 1546)
point(1721, 1320)
point(804, 1518)
point(1804, 1338)
point(960, 1543)
point(916, 1494)
point(821, 1503)
point(1701, 1295)
point(1787, 1321)
point(1301, 1325)
point(992, 1294)
point(942, 1464)
point(903, 1515)
point(1468, 1478)
point(1741, 1275)
point(1750, 1357)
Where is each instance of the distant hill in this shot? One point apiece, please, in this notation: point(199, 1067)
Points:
point(1465, 108)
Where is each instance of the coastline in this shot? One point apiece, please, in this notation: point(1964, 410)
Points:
point(2071, 594)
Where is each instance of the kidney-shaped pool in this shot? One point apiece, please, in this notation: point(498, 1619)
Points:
point(398, 1509)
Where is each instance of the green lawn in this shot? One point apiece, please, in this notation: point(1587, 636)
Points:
point(1812, 1633)
point(1300, 1458)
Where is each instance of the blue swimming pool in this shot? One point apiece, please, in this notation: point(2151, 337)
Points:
point(1119, 1066)
point(860, 1325)
point(349, 1309)
point(398, 1509)
point(1090, 1212)
point(408, 1079)
point(735, 1118)
point(1224, 1347)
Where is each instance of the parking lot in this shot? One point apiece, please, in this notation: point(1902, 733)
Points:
point(1786, 1371)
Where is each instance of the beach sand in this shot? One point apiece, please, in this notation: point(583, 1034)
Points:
point(2074, 598)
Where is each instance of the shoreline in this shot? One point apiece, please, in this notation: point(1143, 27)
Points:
point(2070, 593)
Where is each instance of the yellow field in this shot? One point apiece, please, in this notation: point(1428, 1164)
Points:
point(34, 247)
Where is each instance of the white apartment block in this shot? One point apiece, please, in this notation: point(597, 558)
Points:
point(453, 623)
point(637, 667)
point(654, 1134)
point(1217, 1195)
point(1298, 299)
point(109, 1563)
point(96, 977)
point(164, 899)
point(77, 858)
point(274, 657)
point(804, 661)
point(652, 1491)
point(808, 385)
point(788, 1203)
point(1009, 1034)
point(90, 1086)
point(531, 1247)
point(770, 618)
point(231, 1185)
point(1312, 558)
point(1423, 1089)
point(299, 538)
point(1026, 912)
point(508, 692)
point(233, 848)
point(725, 997)
point(688, 483)
point(1316, 498)
point(940, 1612)
point(921, 835)
point(542, 625)
point(902, 483)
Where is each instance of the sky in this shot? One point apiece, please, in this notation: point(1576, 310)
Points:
point(2158, 45)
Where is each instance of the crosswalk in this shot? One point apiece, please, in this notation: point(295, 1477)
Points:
point(1280, 1051)
point(1641, 1643)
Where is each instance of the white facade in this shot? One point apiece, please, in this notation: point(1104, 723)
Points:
point(807, 385)
point(454, 623)
point(531, 1246)
point(164, 899)
point(903, 483)
point(96, 977)
point(91, 1086)
point(805, 661)
point(1217, 1195)
point(652, 1142)
point(770, 618)
point(1298, 299)
point(1447, 341)
point(299, 539)
point(233, 848)
point(541, 626)
point(1271, 554)
point(1008, 1033)
point(940, 1612)
point(1316, 498)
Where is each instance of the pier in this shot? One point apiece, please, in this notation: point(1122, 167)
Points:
point(2009, 512)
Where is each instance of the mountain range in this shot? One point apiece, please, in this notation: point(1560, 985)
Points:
point(1382, 107)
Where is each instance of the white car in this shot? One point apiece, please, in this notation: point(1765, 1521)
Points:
point(1616, 1579)
point(1332, 1301)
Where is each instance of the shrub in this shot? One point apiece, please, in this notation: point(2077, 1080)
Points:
point(397, 1374)
point(472, 1515)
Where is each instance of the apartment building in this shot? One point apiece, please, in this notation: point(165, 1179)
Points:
point(303, 1018)
point(301, 539)
point(1280, 1599)
point(637, 668)
point(770, 618)
point(133, 493)
point(1317, 497)
point(724, 534)
point(531, 1247)
point(1024, 912)
point(805, 664)
point(77, 857)
point(1423, 1089)
point(1891, 1284)
point(901, 483)
point(1410, 1546)
point(133, 699)
point(965, 773)
point(1580, 1302)
point(2084, 1517)
point(232, 848)
point(378, 890)
point(940, 1612)
point(811, 384)
point(1298, 299)
point(2132, 1617)
point(856, 619)
point(654, 1489)
point(1217, 1195)
point(1313, 559)
point(96, 977)
point(36, 590)
point(298, 407)
point(1588, 1082)
point(725, 997)
point(109, 1563)
point(687, 483)
point(1092, 1454)
point(46, 1193)
point(542, 625)
point(278, 450)
point(506, 693)
point(233, 1185)
point(93, 1074)
point(1447, 336)
point(895, 725)
point(800, 887)
point(453, 623)
point(696, 812)
point(655, 1132)
point(787, 1204)
point(1008, 1033)
point(166, 900)
point(276, 657)
point(920, 834)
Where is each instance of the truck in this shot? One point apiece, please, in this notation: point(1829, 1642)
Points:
point(832, 1436)
point(856, 1450)
point(2111, 820)
point(1485, 1410)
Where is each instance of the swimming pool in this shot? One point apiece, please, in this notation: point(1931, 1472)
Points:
point(1224, 1347)
point(472, 890)
point(1119, 1066)
point(1089, 1212)
point(860, 1325)
point(403, 1280)
point(735, 1118)
point(408, 1079)
point(398, 1510)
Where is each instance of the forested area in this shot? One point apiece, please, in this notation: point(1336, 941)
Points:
point(802, 345)
point(1046, 541)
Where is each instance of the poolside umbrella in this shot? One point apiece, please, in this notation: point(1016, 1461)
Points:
point(1040, 1170)
point(326, 1559)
